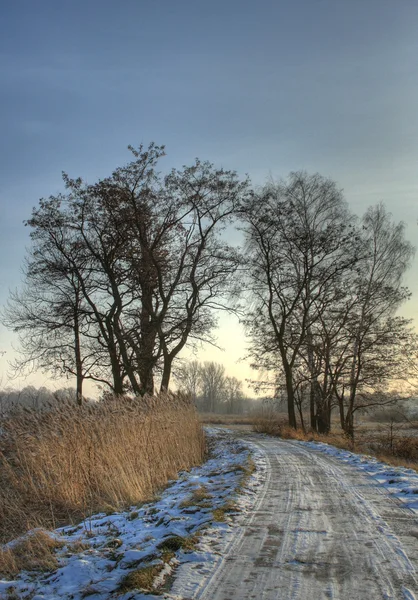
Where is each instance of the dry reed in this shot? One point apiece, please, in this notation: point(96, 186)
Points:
point(63, 464)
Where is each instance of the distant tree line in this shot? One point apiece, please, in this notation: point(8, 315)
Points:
point(212, 390)
point(33, 398)
point(123, 273)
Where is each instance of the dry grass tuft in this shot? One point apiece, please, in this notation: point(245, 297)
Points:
point(177, 542)
point(61, 465)
point(269, 422)
point(201, 493)
point(276, 424)
point(219, 514)
point(406, 448)
point(247, 470)
point(141, 579)
point(34, 552)
point(198, 498)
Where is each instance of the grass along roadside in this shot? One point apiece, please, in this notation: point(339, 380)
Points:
point(62, 465)
point(141, 548)
point(378, 440)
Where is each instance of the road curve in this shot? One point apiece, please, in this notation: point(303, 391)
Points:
point(321, 529)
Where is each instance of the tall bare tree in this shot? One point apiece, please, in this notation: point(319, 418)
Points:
point(146, 258)
point(213, 382)
point(49, 313)
point(380, 343)
point(188, 375)
point(233, 394)
point(300, 240)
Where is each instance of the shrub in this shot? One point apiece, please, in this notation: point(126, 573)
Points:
point(406, 447)
point(269, 422)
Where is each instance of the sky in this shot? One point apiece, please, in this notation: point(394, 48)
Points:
point(266, 87)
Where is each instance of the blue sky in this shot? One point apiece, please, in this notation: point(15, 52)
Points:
point(261, 87)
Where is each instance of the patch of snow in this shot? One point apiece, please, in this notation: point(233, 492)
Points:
point(118, 543)
point(400, 482)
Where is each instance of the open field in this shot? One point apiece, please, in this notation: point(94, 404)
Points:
point(217, 419)
point(394, 442)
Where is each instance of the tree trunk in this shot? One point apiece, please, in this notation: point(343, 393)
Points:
point(146, 378)
point(113, 330)
point(312, 408)
point(354, 379)
point(341, 409)
point(116, 374)
point(312, 391)
point(78, 359)
point(302, 422)
point(166, 374)
point(129, 369)
point(290, 397)
point(145, 354)
point(349, 425)
point(349, 416)
point(322, 418)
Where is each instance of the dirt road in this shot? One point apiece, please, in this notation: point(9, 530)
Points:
point(321, 529)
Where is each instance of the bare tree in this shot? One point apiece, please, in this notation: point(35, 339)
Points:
point(233, 395)
point(324, 310)
point(174, 268)
point(49, 313)
point(143, 265)
point(213, 385)
point(188, 374)
point(202, 264)
point(381, 344)
point(300, 240)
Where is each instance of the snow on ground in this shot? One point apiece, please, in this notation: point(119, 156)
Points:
point(190, 524)
point(399, 481)
point(321, 528)
point(184, 536)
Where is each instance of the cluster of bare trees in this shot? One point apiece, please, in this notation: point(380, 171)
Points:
point(124, 272)
point(324, 290)
point(211, 388)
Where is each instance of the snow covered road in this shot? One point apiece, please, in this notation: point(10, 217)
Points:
point(320, 528)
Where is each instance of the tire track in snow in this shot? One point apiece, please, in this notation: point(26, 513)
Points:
point(320, 529)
